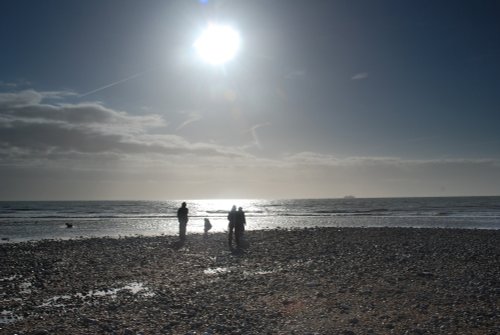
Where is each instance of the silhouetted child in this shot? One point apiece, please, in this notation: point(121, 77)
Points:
point(208, 226)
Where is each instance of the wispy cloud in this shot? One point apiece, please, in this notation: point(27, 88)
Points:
point(14, 85)
point(318, 159)
point(295, 74)
point(360, 76)
point(4, 84)
point(191, 117)
point(255, 135)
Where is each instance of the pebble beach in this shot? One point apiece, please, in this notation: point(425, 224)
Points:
point(306, 281)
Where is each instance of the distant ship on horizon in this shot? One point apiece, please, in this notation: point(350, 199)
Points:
point(349, 197)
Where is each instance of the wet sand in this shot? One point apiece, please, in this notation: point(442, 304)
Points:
point(312, 281)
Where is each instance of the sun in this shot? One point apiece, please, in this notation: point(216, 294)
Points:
point(218, 44)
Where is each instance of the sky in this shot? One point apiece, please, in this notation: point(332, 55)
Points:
point(108, 100)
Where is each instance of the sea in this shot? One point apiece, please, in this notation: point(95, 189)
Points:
point(40, 220)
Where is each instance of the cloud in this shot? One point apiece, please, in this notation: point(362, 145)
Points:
point(253, 131)
point(7, 85)
point(324, 175)
point(326, 160)
point(311, 158)
point(295, 74)
point(360, 76)
point(14, 85)
point(192, 117)
point(88, 150)
point(30, 128)
point(23, 98)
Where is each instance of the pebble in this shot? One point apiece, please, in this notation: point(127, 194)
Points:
point(314, 281)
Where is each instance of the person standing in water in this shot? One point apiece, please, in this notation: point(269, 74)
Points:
point(182, 217)
point(231, 216)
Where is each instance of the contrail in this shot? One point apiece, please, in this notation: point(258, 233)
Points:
point(113, 84)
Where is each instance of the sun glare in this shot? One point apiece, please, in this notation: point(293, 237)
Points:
point(218, 44)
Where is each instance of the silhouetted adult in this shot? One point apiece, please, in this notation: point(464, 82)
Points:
point(182, 216)
point(239, 227)
point(231, 216)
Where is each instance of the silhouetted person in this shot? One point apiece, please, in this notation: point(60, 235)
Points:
point(231, 216)
point(239, 227)
point(208, 226)
point(182, 216)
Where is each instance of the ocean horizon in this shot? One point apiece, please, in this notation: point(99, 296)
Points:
point(38, 220)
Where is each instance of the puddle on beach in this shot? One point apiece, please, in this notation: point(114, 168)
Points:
point(134, 288)
point(216, 271)
point(259, 273)
point(222, 270)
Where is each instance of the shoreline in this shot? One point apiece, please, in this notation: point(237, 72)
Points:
point(64, 233)
point(302, 281)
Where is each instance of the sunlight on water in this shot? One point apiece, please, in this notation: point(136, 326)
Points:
point(31, 220)
point(221, 206)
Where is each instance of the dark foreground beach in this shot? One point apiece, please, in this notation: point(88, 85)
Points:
point(313, 281)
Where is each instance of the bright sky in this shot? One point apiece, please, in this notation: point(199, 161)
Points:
point(108, 99)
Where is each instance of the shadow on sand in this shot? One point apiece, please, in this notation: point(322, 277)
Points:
point(237, 251)
point(177, 245)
